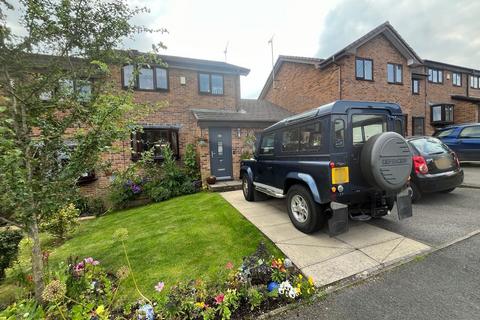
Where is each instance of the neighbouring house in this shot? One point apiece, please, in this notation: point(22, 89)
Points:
point(380, 66)
point(203, 106)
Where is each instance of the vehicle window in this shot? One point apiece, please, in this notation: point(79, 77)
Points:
point(444, 133)
point(311, 137)
point(429, 146)
point(339, 126)
point(365, 126)
point(268, 144)
point(398, 127)
point(290, 140)
point(471, 132)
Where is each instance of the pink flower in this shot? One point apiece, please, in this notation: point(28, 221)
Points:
point(159, 286)
point(219, 298)
point(89, 260)
point(95, 262)
point(79, 267)
point(229, 265)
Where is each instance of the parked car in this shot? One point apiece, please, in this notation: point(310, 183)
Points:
point(464, 139)
point(344, 159)
point(436, 167)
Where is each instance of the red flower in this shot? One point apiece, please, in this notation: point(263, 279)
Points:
point(29, 278)
point(229, 265)
point(219, 298)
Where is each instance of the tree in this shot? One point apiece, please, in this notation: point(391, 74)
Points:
point(54, 123)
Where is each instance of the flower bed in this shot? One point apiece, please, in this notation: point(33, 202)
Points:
point(83, 290)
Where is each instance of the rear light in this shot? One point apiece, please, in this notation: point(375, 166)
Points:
point(420, 164)
point(332, 164)
point(456, 159)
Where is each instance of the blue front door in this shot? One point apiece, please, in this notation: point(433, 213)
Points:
point(221, 152)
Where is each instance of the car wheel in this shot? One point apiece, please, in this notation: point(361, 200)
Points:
point(247, 187)
point(305, 214)
point(416, 194)
point(448, 190)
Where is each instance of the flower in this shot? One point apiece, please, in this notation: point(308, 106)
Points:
point(229, 265)
point(287, 290)
point(148, 312)
point(310, 281)
point(287, 263)
point(88, 260)
point(79, 267)
point(159, 286)
point(54, 291)
point(29, 278)
point(121, 234)
point(200, 305)
point(45, 256)
point(135, 188)
point(122, 272)
point(219, 298)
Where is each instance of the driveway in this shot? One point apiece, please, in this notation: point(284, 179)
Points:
point(363, 249)
point(472, 173)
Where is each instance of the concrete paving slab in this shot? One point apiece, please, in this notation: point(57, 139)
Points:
point(339, 267)
point(306, 255)
point(327, 259)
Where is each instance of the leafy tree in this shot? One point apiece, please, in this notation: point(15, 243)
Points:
point(53, 127)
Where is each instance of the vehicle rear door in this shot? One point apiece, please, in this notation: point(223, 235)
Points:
point(438, 156)
point(265, 159)
point(469, 143)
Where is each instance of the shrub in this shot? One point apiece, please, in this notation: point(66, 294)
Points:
point(63, 222)
point(190, 161)
point(9, 240)
point(126, 186)
point(90, 206)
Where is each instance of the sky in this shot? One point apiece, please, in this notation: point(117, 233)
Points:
point(441, 30)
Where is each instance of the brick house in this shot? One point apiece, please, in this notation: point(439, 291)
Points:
point(380, 66)
point(202, 105)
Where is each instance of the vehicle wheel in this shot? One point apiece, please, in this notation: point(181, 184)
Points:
point(305, 214)
point(247, 187)
point(448, 190)
point(416, 194)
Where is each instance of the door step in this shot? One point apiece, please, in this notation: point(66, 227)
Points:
point(222, 186)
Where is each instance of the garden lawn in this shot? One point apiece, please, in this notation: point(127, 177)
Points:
point(181, 239)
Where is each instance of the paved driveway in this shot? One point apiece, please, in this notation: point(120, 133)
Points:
point(364, 248)
point(472, 173)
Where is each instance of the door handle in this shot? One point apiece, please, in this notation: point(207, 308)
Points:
point(212, 154)
point(270, 168)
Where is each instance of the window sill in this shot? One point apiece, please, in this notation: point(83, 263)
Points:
point(362, 79)
point(210, 94)
point(397, 83)
point(146, 90)
point(441, 123)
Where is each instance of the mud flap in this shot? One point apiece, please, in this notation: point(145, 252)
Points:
point(404, 204)
point(338, 222)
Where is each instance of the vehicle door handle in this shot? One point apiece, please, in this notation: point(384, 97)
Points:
point(270, 168)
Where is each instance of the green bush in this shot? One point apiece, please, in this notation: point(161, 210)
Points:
point(190, 161)
point(9, 240)
point(90, 206)
point(126, 186)
point(63, 222)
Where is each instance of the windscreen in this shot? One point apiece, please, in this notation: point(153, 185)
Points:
point(365, 126)
point(429, 146)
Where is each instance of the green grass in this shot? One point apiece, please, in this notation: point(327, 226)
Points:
point(177, 240)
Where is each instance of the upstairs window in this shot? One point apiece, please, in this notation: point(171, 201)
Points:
point(210, 84)
point(364, 69)
point(148, 79)
point(415, 86)
point(457, 79)
point(156, 139)
point(442, 114)
point(435, 75)
point(394, 73)
point(474, 82)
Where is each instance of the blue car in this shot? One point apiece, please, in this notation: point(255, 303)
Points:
point(463, 139)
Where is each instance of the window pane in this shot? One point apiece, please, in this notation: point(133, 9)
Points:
point(84, 88)
point(367, 125)
point(128, 76)
point(429, 146)
point(311, 137)
point(418, 126)
point(475, 82)
point(398, 74)
point(156, 139)
point(359, 68)
point(217, 84)
point(290, 140)
point(173, 143)
point(416, 86)
point(204, 80)
point(430, 75)
point(267, 145)
point(449, 113)
point(390, 73)
point(145, 79)
point(440, 76)
point(435, 76)
point(471, 132)
point(161, 77)
point(66, 87)
point(339, 133)
point(437, 113)
point(368, 70)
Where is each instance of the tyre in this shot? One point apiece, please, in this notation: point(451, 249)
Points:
point(247, 187)
point(305, 214)
point(416, 194)
point(386, 161)
point(448, 190)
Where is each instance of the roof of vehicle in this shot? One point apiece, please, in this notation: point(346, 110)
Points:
point(337, 107)
point(460, 125)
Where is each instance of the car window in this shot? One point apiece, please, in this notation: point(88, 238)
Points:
point(444, 133)
point(429, 146)
point(311, 137)
point(399, 127)
point(268, 144)
point(365, 126)
point(339, 126)
point(471, 132)
point(290, 140)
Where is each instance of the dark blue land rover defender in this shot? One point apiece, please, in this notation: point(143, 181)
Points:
point(346, 159)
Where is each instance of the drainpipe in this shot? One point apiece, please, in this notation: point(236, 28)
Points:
point(339, 69)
